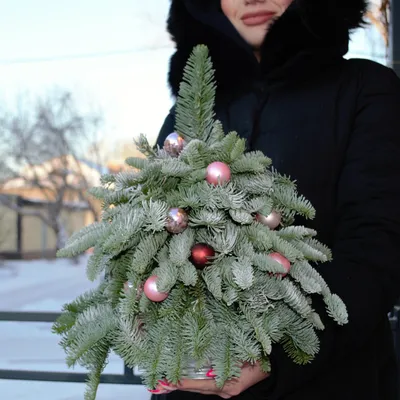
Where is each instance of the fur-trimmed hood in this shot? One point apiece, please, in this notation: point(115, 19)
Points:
point(308, 35)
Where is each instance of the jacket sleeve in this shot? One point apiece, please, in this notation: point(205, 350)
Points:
point(365, 271)
point(167, 128)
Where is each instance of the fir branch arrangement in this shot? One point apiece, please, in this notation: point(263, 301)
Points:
point(201, 260)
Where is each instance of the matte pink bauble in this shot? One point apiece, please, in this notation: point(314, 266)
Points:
point(151, 291)
point(281, 260)
point(174, 144)
point(272, 220)
point(218, 173)
point(177, 220)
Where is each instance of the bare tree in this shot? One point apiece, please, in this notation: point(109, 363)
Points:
point(44, 149)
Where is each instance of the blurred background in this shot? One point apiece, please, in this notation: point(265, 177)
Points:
point(78, 81)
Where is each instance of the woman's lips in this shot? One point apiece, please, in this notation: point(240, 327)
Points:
point(260, 18)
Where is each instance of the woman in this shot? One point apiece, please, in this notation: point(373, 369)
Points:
point(334, 126)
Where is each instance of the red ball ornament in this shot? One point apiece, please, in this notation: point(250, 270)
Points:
point(151, 291)
point(281, 260)
point(201, 254)
point(177, 220)
point(218, 173)
point(174, 144)
point(272, 220)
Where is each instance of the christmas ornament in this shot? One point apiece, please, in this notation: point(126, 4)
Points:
point(177, 220)
point(174, 144)
point(218, 172)
point(272, 220)
point(281, 260)
point(129, 286)
point(201, 253)
point(151, 291)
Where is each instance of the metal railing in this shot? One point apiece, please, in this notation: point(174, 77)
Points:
point(127, 378)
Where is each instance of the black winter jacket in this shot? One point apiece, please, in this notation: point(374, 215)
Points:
point(333, 125)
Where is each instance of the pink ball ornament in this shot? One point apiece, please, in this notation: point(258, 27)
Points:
point(151, 291)
point(177, 220)
point(272, 220)
point(218, 173)
point(174, 144)
point(281, 260)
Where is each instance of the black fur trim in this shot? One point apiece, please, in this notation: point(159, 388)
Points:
point(308, 26)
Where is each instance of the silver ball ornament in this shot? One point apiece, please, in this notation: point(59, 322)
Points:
point(174, 144)
point(272, 220)
point(177, 220)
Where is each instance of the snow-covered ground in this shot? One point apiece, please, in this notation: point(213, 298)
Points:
point(45, 286)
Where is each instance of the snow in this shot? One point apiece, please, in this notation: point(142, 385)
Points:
point(44, 286)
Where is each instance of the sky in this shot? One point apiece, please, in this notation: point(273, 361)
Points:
point(112, 55)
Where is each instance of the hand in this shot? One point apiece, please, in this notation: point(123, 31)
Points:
point(251, 375)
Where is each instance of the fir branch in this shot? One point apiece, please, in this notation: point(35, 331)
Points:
point(258, 327)
point(95, 371)
point(188, 274)
point(244, 248)
point(90, 329)
point(226, 363)
point(256, 204)
point(212, 278)
point(296, 233)
point(294, 298)
point(194, 177)
point(217, 133)
point(273, 325)
point(126, 180)
point(167, 276)
point(155, 215)
point(289, 199)
point(241, 217)
point(310, 252)
point(260, 184)
point(320, 247)
point(250, 163)
point(310, 280)
point(230, 296)
point(197, 335)
point(228, 197)
point(211, 218)
point(144, 147)
point(336, 309)
point(123, 230)
point(224, 242)
point(243, 273)
point(180, 247)
point(297, 355)
point(138, 163)
point(146, 252)
point(173, 167)
point(267, 264)
point(84, 239)
point(195, 104)
point(245, 346)
point(107, 179)
point(260, 237)
point(287, 249)
point(195, 154)
point(129, 341)
point(97, 264)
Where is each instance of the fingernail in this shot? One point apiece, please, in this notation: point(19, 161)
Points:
point(211, 374)
point(154, 391)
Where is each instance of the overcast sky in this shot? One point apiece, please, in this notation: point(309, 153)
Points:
point(111, 53)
